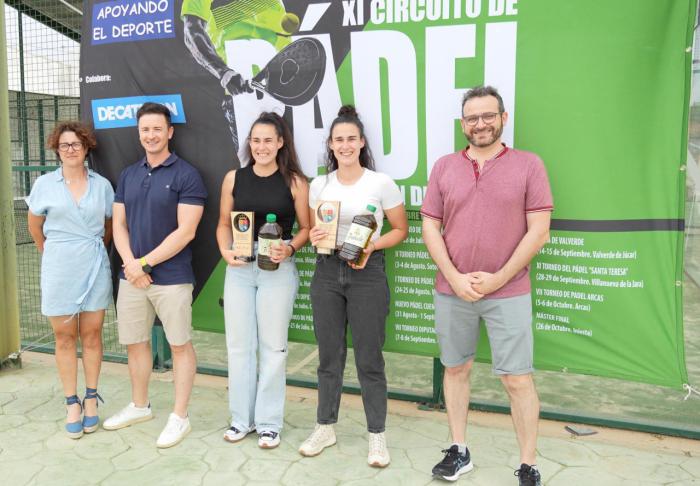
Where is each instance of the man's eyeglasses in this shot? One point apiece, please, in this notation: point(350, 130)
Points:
point(487, 118)
point(64, 147)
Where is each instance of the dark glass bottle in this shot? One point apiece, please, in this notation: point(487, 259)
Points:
point(360, 233)
point(270, 234)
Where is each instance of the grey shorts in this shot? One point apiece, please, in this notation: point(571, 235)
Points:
point(137, 308)
point(508, 324)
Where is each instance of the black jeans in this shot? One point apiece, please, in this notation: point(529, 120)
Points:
point(360, 298)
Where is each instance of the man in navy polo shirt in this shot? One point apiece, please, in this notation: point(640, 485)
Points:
point(158, 204)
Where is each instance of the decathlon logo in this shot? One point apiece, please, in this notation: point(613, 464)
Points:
point(121, 112)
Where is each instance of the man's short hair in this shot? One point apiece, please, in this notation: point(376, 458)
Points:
point(150, 108)
point(480, 92)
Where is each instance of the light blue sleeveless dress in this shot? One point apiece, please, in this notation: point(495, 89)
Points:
point(75, 271)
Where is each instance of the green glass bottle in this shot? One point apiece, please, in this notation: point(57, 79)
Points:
point(270, 234)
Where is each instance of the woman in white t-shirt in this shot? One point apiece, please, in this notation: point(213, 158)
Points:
point(345, 294)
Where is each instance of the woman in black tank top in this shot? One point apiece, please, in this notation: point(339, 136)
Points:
point(264, 195)
point(258, 303)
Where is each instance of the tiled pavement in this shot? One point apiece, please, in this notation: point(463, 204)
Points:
point(34, 449)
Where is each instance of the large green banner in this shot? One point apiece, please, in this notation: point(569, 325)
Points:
point(597, 88)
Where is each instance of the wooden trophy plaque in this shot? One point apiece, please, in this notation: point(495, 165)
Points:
point(327, 214)
point(243, 227)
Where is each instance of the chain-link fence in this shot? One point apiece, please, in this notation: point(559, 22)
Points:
point(43, 63)
point(43, 55)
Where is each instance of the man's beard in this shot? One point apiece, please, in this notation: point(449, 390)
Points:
point(496, 133)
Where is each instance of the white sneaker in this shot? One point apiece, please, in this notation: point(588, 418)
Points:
point(234, 435)
point(323, 436)
point(175, 430)
point(378, 453)
point(129, 415)
point(268, 439)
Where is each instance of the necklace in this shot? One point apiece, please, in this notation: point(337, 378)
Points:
point(78, 179)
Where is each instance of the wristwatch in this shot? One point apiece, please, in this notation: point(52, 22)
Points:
point(145, 266)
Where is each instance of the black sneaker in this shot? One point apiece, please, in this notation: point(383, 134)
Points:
point(453, 464)
point(528, 476)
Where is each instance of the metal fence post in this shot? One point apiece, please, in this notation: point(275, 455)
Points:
point(160, 347)
point(23, 102)
point(436, 401)
point(9, 305)
point(42, 135)
point(438, 374)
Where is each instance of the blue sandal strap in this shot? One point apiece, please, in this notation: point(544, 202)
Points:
point(72, 400)
point(92, 393)
point(74, 429)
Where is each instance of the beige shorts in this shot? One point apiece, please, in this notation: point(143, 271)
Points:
point(137, 308)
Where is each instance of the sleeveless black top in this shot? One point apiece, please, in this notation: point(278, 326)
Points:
point(264, 195)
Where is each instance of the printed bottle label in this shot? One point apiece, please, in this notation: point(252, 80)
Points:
point(358, 235)
point(265, 244)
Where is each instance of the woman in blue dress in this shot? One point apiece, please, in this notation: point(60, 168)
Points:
point(69, 218)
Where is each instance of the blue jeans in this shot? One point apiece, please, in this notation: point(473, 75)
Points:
point(258, 306)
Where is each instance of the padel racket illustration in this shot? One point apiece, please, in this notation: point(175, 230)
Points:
point(295, 74)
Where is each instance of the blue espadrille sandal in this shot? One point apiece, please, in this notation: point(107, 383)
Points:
point(90, 424)
point(74, 429)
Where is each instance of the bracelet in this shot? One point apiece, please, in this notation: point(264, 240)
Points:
point(294, 250)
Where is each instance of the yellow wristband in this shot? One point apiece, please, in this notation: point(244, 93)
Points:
point(143, 261)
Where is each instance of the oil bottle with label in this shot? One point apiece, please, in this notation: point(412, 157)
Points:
point(359, 235)
point(270, 234)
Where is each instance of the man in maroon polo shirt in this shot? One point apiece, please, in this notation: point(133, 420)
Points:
point(485, 215)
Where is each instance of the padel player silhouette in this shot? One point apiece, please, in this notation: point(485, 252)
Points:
point(291, 78)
